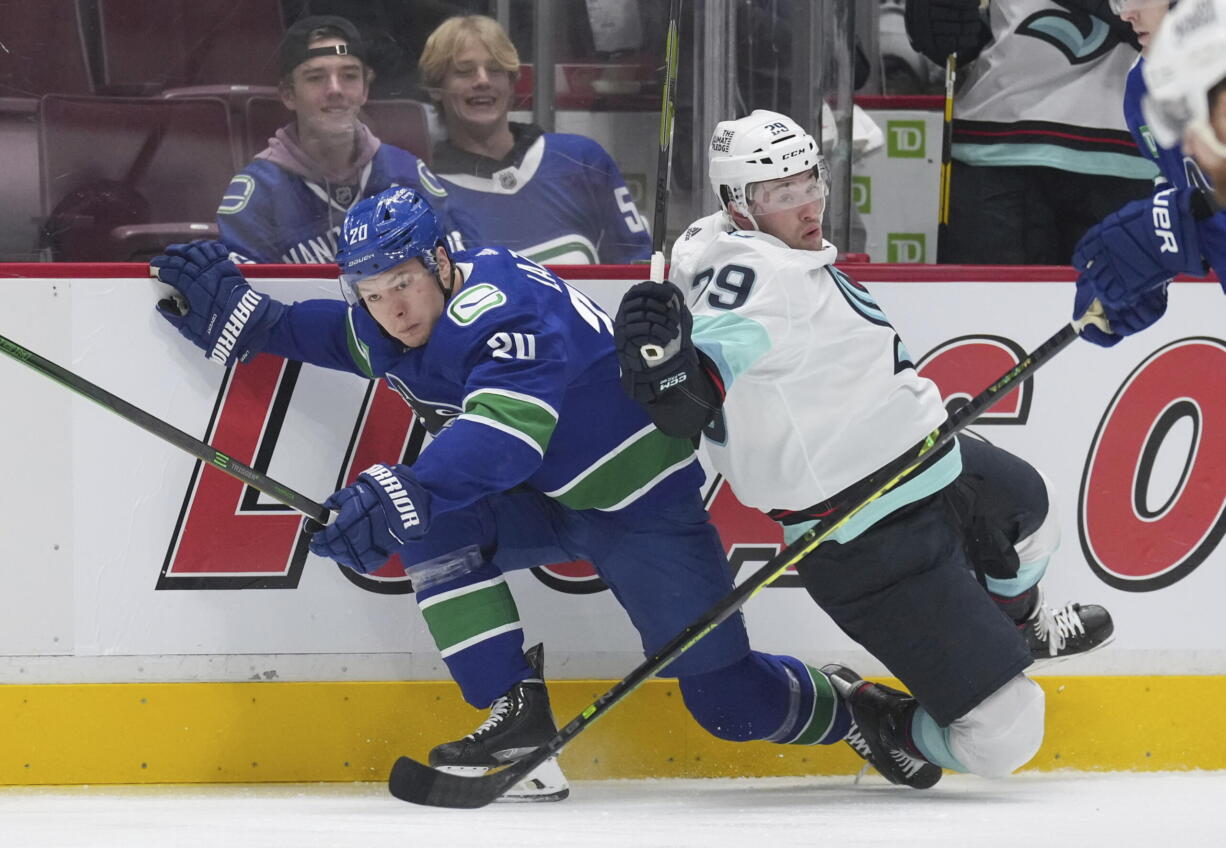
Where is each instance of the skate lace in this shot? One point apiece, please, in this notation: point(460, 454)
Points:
point(909, 764)
point(856, 740)
point(1058, 626)
point(499, 711)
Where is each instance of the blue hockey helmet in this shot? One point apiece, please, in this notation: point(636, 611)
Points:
point(384, 231)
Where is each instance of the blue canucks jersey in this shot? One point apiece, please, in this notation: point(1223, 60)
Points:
point(518, 383)
point(269, 214)
point(1177, 169)
point(555, 198)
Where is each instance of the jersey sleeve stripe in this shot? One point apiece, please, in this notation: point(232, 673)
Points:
point(521, 416)
point(511, 395)
point(626, 472)
point(358, 349)
point(734, 343)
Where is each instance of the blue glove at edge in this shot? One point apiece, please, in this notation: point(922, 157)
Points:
point(1125, 320)
point(1139, 247)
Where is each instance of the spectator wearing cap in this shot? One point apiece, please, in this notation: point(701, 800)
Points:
point(552, 197)
point(289, 203)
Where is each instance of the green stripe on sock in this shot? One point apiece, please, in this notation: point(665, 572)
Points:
point(824, 703)
point(466, 616)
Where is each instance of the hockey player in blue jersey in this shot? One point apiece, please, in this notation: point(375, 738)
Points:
point(801, 389)
point(555, 198)
point(1127, 261)
point(288, 204)
point(537, 457)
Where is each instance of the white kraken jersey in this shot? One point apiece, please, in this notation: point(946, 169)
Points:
point(820, 390)
point(1046, 91)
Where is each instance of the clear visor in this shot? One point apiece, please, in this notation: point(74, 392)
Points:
point(357, 287)
point(786, 193)
point(1122, 6)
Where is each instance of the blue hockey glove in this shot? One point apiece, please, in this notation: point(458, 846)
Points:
point(382, 510)
point(654, 314)
point(223, 315)
point(1140, 247)
point(1125, 320)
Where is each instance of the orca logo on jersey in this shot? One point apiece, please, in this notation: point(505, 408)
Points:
point(1162, 222)
point(234, 325)
point(392, 487)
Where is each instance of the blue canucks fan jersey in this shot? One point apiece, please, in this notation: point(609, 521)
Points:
point(519, 385)
point(269, 214)
point(555, 198)
point(1177, 169)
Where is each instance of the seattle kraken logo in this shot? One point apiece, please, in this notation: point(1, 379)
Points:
point(1078, 35)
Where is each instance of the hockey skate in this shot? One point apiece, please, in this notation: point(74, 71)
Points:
point(878, 731)
point(519, 722)
point(1057, 634)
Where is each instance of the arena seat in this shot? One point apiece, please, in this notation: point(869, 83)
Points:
point(149, 45)
point(122, 177)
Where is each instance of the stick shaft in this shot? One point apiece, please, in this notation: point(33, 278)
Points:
point(165, 431)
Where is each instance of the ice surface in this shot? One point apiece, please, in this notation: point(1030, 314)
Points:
point(1030, 810)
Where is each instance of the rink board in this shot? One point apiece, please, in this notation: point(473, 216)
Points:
point(127, 572)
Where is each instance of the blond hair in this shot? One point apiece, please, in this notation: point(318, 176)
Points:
point(449, 36)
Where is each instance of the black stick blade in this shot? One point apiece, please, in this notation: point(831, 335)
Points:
point(419, 784)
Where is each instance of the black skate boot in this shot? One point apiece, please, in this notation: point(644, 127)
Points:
point(880, 715)
point(1061, 633)
point(519, 722)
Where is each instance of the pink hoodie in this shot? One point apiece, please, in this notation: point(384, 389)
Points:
point(284, 150)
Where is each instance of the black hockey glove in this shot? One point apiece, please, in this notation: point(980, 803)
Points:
point(654, 314)
point(937, 28)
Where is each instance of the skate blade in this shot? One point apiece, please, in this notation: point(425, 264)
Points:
point(545, 783)
point(1043, 662)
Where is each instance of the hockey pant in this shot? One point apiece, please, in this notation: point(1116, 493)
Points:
point(911, 590)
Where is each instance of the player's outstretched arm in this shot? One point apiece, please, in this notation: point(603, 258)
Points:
point(679, 394)
point(214, 307)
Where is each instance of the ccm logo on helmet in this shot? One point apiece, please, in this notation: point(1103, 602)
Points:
point(1162, 222)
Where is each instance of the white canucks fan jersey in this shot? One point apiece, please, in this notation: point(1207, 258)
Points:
point(820, 389)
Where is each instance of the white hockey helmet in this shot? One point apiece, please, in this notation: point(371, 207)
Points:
point(1186, 59)
point(762, 146)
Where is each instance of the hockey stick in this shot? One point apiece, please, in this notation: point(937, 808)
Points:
point(947, 144)
point(653, 353)
point(419, 784)
point(167, 432)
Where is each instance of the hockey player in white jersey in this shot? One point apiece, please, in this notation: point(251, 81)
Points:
point(801, 388)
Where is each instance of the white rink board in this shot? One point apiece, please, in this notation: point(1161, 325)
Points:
point(91, 502)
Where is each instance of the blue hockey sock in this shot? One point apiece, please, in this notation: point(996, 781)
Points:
point(764, 696)
point(475, 623)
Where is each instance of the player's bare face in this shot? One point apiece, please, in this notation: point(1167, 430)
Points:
point(790, 209)
point(475, 93)
point(1144, 16)
point(327, 91)
point(405, 300)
